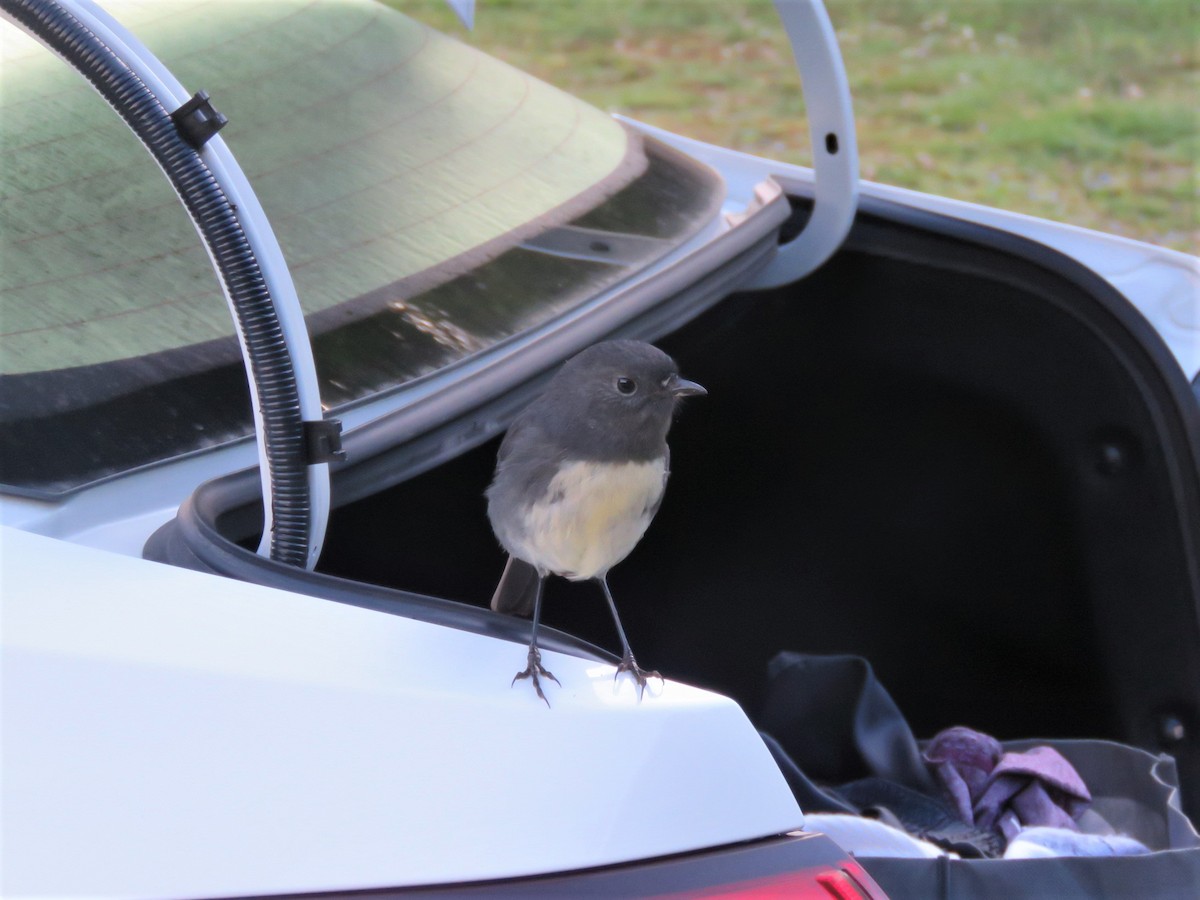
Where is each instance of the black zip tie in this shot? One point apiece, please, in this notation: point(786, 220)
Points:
point(323, 441)
point(197, 121)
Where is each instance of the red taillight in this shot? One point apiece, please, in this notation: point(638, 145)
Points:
point(847, 883)
point(843, 885)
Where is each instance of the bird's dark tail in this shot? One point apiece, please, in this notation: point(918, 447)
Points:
point(517, 589)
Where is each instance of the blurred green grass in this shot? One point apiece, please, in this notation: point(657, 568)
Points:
point(1081, 111)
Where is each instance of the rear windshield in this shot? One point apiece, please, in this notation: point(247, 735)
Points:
point(429, 200)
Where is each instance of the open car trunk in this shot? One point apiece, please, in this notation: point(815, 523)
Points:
point(951, 451)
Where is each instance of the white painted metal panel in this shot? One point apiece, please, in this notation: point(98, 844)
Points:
point(169, 733)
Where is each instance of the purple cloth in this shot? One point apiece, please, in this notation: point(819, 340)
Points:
point(963, 761)
point(1005, 792)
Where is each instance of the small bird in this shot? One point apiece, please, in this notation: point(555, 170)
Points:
point(580, 474)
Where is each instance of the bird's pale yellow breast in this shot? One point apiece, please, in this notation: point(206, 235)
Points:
point(592, 515)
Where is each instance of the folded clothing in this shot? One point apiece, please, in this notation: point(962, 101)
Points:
point(844, 747)
point(1006, 791)
point(870, 837)
point(1043, 841)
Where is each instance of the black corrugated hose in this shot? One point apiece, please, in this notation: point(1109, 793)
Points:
point(216, 220)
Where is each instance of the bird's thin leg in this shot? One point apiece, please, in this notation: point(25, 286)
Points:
point(534, 667)
point(627, 663)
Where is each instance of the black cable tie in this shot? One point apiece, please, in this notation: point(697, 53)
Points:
point(197, 121)
point(323, 441)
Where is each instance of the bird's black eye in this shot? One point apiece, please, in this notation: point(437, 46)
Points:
point(626, 385)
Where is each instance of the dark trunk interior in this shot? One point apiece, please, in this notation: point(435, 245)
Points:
point(946, 451)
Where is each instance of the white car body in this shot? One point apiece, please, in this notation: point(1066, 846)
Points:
point(173, 733)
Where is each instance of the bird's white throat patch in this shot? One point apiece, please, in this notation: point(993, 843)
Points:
point(591, 516)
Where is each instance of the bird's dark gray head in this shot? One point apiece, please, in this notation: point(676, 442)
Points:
point(615, 401)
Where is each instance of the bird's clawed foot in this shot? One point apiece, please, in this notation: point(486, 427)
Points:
point(640, 675)
point(533, 669)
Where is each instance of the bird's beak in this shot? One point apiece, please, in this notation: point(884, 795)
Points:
point(681, 387)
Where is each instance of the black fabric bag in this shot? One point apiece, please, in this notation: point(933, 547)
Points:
point(843, 746)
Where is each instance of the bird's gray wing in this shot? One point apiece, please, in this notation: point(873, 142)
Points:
point(525, 464)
